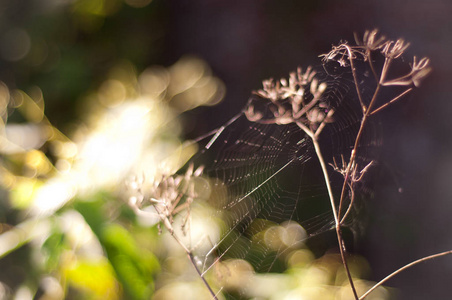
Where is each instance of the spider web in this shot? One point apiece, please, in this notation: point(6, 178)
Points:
point(264, 175)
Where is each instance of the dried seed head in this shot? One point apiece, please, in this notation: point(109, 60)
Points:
point(395, 49)
point(372, 41)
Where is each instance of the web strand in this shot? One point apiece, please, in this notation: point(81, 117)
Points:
point(263, 174)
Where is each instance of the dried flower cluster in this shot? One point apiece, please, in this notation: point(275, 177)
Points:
point(168, 196)
point(295, 100)
point(344, 54)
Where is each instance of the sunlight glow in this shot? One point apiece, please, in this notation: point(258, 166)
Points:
point(131, 130)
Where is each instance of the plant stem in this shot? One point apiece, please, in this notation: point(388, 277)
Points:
point(314, 138)
point(336, 218)
point(403, 269)
point(192, 259)
point(169, 227)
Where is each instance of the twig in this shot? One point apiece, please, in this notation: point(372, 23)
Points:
point(170, 229)
point(327, 179)
point(403, 269)
point(167, 194)
point(392, 101)
point(333, 206)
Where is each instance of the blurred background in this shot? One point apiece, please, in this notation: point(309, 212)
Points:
point(96, 90)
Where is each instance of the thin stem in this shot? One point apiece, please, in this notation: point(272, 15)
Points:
point(390, 102)
point(306, 108)
point(369, 57)
point(326, 177)
point(192, 259)
point(314, 137)
point(168, 226)
point(366, 113)
point(355, 79)
point(322, 125)
point(403, 269)
point(336, 217)
point(349, 206)
point(384, 71)
point(344, 259)
point(352, 191)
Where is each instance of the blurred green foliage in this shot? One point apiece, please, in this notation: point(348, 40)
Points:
point(74, 44)
point(135, 267)
point(65, 231)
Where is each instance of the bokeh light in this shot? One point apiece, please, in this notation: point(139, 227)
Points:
point(130, 128)
point(15, 44)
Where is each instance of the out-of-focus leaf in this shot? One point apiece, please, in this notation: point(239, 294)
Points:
point(93, 214)
point(53, 247)
point(135, 267)
point(95, 279)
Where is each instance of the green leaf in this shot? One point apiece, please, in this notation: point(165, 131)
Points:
point(135, 267)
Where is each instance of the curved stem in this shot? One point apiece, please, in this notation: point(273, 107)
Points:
point(403, 269)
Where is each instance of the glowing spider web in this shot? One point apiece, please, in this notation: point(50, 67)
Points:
point(263, 174)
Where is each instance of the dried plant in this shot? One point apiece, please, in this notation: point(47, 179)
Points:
point(169, 196)
point(303, 100)
point(312, 113)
